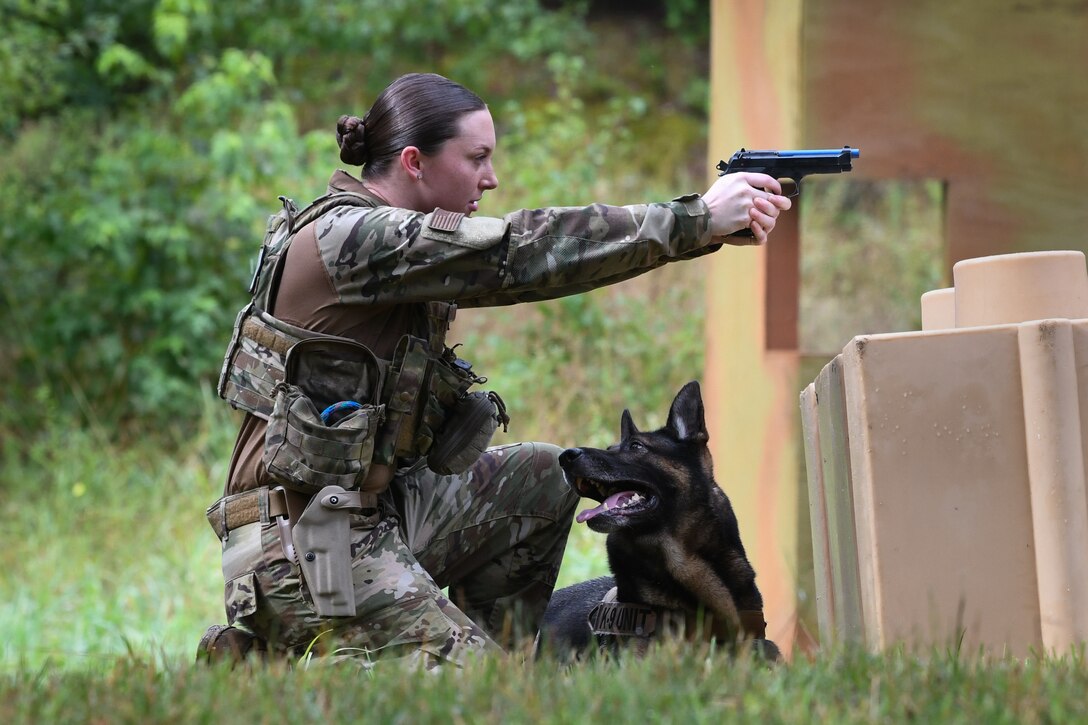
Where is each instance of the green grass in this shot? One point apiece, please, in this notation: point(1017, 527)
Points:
point(110, 574)
point(679, 684)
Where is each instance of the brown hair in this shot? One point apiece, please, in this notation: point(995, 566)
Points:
point(417, 109)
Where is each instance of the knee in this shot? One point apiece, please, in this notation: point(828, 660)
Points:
point(547, 454)
point(545, 462)
point(550, 475)
point(528, 479)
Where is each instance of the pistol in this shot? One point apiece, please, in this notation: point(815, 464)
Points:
point(791, 165)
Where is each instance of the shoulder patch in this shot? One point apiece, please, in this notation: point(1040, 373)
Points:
point(446, 221)
point(447, 227)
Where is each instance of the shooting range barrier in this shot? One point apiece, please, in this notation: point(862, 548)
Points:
point(990, 100)
point(946, 467)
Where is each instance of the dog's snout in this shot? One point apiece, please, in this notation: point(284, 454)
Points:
point(569, 455)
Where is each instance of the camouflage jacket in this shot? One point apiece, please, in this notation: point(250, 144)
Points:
point(367, 272)
point(391, 255)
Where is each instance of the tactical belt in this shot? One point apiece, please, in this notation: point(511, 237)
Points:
point(612, 618)
point(262, 504)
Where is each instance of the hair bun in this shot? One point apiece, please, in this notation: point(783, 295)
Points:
point(351, 137)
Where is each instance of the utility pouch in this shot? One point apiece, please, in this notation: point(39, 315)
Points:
point(324, 422)
point(467, 432)
point(322, 538)
point(450, 378)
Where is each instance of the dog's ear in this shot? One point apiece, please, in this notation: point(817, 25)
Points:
point(627, 426)
point(686, 419)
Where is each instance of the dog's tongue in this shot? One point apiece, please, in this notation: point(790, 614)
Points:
point(616, 499)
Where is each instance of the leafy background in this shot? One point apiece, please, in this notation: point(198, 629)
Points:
point(144, 144)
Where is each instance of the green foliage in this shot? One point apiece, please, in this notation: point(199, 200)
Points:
point(148, 141)
point(688, 18)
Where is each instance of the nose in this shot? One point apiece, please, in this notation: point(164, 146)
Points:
point(569, 455)
point(489, 180)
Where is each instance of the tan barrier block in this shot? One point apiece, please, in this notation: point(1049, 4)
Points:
point(943, 511)
point(835, 446)
point(1012, 288)
point(939, 309)
point(950, 466)
point(817, 509)
point(1055, 453)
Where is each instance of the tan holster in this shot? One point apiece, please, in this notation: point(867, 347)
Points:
point(322, 538)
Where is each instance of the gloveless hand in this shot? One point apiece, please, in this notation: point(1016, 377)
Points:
point(744, 200)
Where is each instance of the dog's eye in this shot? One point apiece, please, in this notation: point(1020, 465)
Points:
point(636, 446)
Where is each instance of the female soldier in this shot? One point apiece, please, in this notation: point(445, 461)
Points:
point(378, 264)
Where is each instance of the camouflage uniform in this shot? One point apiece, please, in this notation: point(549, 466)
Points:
point(494, 535)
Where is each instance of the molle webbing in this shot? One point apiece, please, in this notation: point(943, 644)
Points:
point(255, 360)
point(281, 231)
point(440, 316)
point(265, 336)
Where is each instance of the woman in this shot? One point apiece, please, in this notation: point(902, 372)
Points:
point(376, 263)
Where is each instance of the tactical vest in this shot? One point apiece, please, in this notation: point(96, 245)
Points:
point(333, 406)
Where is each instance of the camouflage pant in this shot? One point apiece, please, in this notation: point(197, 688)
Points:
point(494, 535)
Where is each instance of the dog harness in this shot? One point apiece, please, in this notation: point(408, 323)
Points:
point(611, 618)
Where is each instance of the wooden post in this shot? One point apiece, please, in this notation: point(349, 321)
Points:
point(751, 381)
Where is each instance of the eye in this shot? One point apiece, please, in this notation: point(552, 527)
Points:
point(636, 446)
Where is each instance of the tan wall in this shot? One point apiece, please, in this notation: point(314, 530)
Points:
point(990, 96)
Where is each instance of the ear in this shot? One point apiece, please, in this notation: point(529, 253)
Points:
point(627, 426)
point(686, 418)
point(410, 159)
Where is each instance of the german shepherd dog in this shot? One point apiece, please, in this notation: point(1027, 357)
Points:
point(673, 544)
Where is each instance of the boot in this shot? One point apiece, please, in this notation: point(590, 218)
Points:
point(223, 643)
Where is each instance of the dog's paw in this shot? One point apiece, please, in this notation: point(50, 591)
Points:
point(767, 650)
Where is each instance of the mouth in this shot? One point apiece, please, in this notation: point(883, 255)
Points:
point(619, 500)
point(473, 206)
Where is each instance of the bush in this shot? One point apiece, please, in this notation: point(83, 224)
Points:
point(149, 145)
